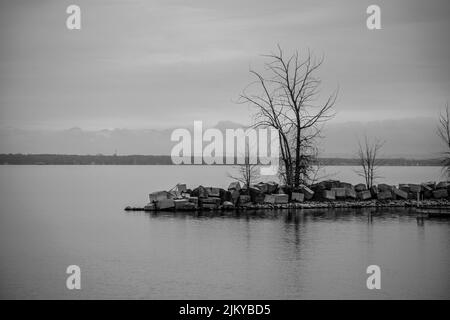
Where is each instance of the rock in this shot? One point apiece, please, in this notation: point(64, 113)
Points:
point(210, 203)
point(309, 194)
point(213, 192)
point(150, 207)
point(318, 191)
point(269, 198)
point(440, 193)
point(430, 184)
point(360, 187)
point(384, 187)
point(400, 193)
point(180, 188)
point(339, 192)
point(200, 192)
point(160, 195)
point(256, 195)
point(374, 191)
point(350, 193)
point(281, 198)
point(235, 196)
point(234, 186)
point(415, 188)
point(227, 205)
point(297, 197)
point(404, 187)
point(442, 185)
point(164, 204)
point(193, 200)
point(384, 195)
point(180, 203)
point(329, 195)
point(244, 199)
point(364, 195)
point(225, 195)
point(329, 184)
point(345, 185)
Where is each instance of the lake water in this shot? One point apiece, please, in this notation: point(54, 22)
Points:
point(56, 216)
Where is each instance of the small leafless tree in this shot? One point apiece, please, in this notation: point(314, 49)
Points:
point(285, 97)
point(368, 154)
point(247, 173)
point(444, 134)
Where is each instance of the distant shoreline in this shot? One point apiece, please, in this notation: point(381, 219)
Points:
point(67, 159)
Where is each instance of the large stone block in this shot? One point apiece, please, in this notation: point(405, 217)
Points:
point(360, 187)
point(350, 193)
point(329, 195)
point(415, 188)
point(442, 185)
point(384, 187)
point(400, 193)
point(440, 193)
point(213, 192)
point(281, 198)
point(269, 198)
point(200, 192)
point(345, 185)
point(309, 194)
point(384, 195)
point(339, 193)
point(297, 197)
point(365, 195)
point(184, 204)
point(160, 195)
point(164, 204)
point(234, 186)
point(244, 199)
point(374, 191)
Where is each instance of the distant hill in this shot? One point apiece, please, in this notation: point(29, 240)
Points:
point(65, 159)
point(406, 138)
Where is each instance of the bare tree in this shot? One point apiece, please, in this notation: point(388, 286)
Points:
point(286, 99)
point(368, 156)
point(444, 134)
point(247, 173)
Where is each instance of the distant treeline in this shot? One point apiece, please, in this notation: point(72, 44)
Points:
point(66, 159)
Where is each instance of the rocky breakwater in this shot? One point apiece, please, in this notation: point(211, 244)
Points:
point(325, 194)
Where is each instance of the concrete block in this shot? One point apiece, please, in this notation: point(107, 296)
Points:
point(213, 192)
point(339, 192)
point(360, 187)
point(384, 187)
point(440, 193)
point(365, 195)
point(281, 198)
point(400, 193)
point(165, 204)
point(442, 185)
point(269, 198)
point(160, 195)
point(244, 199)
point(329, 195)
point(309, 194)
point(350, 193)
point(415, 188)
point(234, 186)
point(297, 197)
point(384, 195)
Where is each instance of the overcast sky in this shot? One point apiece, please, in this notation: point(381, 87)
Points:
point(153, 64)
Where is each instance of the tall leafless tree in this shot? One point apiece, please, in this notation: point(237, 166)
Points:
point(368, 154)
point(444, 134)
point(286, 99)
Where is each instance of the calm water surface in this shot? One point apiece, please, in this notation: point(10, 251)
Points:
point(55, 216)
